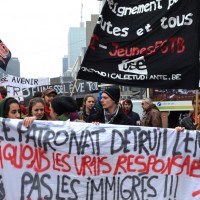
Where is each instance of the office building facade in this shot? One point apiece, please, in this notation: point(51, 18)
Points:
point(65, 64)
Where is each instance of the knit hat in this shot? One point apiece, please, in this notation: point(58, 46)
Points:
point(113, 93)
point(63, 104)
point(49, 91)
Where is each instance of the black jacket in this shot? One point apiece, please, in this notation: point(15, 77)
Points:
point(188, 123)
point(120, 119)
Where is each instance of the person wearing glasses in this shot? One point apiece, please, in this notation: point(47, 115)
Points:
point(151, 114)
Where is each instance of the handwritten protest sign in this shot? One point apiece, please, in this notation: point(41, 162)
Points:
point(15, 85)
point(63, 160)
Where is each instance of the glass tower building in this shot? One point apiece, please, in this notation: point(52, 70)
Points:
point(76, 41)
point(13, 68)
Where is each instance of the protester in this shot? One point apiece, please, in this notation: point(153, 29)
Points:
point(10, 108)
point(36, 108)
point(3, 92)
point(48, 96)
point(188, 122)
point(88, 107)
point(151, 115)
point(111, 113)
point(35, 111)
point(127, 106)
point(63, 108)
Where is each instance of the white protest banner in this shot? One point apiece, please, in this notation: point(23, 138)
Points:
point(14, 84)
point(63, 160)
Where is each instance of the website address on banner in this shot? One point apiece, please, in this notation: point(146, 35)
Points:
point(131, 77)
point(115, 75)
point(171, 45)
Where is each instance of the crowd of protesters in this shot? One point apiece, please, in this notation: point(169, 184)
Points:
point(106, 108)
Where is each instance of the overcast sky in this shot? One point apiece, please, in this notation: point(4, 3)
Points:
point(36, 32)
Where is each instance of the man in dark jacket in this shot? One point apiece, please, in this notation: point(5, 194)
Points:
point(128, 110)
point(188, 122)
point(152, 115)
point(111, 112)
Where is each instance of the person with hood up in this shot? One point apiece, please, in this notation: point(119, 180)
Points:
point(63, 108)
point(151, 115)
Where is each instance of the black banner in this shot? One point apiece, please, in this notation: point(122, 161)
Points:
point(81, 87)
point(151, 43)
point(5, 55)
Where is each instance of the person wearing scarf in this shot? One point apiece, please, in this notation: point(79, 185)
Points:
point(111, 112)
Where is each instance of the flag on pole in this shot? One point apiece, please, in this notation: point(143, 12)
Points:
point(147, 44)
point(5, 55)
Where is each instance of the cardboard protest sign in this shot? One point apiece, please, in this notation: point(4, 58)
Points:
point(63, 160)
point(5, 55)
point(150, 44)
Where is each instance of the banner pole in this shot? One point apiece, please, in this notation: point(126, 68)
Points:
point(75, 82)
point(196, 105)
